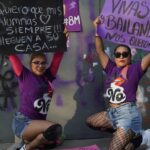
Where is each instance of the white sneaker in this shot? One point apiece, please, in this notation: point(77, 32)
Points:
point(146, 138)
point(23, 147)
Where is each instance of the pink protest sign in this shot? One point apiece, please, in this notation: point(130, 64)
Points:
point(92, 147)
point(127, 22)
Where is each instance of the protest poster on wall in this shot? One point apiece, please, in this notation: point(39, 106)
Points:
point(72, 17)
point(127, 22)
point(28, 26)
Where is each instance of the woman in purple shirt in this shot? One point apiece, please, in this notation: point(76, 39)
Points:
point(36, 92)
point(122, 117)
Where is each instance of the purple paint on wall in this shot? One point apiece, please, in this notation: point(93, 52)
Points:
point(59, 101)
point(92, 11)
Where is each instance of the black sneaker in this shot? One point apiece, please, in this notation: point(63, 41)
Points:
point(53, 132)
point(135, 142)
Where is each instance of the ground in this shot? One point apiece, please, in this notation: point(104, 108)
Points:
point(101, 143)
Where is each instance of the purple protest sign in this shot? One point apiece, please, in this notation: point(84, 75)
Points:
point(127, 22)
point(72, 18)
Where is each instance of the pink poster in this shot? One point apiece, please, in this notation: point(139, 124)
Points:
point(92, 147)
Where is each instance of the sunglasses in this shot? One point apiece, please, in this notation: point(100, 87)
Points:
point(38, 63)
point(124, 54)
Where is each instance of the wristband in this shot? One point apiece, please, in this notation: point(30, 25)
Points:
point(97, 35)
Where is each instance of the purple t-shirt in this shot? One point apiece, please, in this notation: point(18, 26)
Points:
point(34, 94)
point(118, 89)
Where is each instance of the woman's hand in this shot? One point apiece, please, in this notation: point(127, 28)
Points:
point(96, 22)
point(66, 32)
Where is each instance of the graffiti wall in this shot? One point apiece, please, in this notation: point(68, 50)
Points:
point(79, 83)
point(8, 98)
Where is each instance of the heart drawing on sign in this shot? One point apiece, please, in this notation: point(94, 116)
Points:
point(45, 18)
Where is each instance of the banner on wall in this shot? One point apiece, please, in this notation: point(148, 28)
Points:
point(72, 17)
point(28, 26)
point(127, 22)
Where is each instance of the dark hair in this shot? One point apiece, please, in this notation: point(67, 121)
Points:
point(34, 55)
point(122, 45)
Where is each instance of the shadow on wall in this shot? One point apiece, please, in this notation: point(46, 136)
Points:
point(88, 97)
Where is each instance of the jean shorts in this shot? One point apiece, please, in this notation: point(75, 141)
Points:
point(126, 116)
point(20, 122)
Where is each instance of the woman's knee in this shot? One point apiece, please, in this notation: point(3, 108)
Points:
point(88, 121)
point(40, 138)
point(92, 123)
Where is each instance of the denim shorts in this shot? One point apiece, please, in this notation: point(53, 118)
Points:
point(20, 122)
point(126, 116)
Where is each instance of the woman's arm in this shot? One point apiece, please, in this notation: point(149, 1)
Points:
point(56, 60)
point(16, 64)
point(57, 57)
point(145, 62)
point(103, 57)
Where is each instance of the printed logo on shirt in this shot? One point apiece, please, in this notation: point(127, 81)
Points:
point(42, 104)
point(115, 93)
